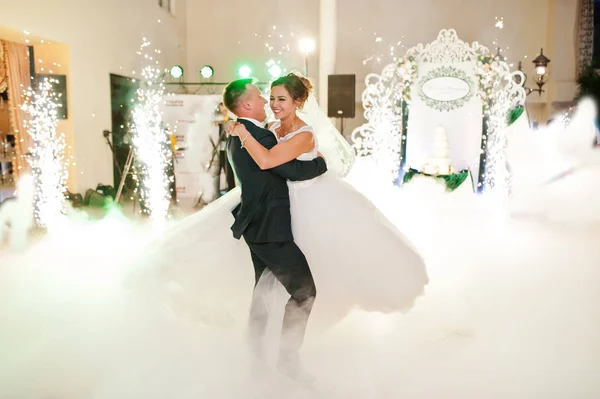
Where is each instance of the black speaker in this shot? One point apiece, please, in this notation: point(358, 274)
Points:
point(341, 94)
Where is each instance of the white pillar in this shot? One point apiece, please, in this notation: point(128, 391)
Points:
point(327, 46)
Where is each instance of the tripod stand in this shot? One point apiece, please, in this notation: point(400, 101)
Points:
point(124, 174)
point(126, 168)
point(219, 156)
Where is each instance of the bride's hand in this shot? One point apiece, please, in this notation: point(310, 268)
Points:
point(239, 130)
point(229, 126)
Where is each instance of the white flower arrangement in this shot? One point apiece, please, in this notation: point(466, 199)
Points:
point(408, 73)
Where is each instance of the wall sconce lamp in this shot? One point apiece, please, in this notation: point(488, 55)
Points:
point(541, 73)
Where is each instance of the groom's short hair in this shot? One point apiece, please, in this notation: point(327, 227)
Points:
point(234, 91)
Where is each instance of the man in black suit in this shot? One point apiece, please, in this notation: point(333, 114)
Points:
point(263, 219)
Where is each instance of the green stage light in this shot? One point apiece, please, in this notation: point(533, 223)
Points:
point(244, 71)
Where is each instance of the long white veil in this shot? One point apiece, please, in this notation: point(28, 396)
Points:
point(338, 152)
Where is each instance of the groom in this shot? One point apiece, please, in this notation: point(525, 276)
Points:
point(263, 219)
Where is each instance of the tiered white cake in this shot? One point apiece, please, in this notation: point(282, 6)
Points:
point(439, 162)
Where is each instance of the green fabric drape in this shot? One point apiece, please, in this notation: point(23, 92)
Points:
point(453, 181)
point(514, 114)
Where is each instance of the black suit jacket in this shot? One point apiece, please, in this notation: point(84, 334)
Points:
point(264, 212)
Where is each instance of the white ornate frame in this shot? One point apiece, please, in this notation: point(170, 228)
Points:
point(445, 72)
point(386, 101)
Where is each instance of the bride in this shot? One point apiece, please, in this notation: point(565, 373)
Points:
point(357, 257)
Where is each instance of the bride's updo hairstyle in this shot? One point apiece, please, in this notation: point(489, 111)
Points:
point(297, 85)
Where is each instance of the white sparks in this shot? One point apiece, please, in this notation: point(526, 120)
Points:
point(151, 144)
point(499, 94)
point(381, 136)
point(47, 153)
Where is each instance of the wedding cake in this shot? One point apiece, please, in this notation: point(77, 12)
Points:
point(439, 162)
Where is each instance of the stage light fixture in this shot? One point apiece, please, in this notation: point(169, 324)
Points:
point(307, 45)
point(207, 72)
point(245, 71)
point(275, 71)
point(176, 71)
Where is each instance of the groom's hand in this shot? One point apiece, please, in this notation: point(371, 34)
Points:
point(321, 155)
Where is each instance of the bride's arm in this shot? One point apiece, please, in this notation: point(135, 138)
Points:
point(278, 155)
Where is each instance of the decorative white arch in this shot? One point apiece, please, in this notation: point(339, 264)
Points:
point(470, 75)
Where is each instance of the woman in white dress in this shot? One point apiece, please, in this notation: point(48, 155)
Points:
point(357, 257)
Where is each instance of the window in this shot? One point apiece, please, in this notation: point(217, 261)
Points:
point(168, 5)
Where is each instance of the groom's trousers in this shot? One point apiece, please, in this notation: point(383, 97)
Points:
point(287, 262)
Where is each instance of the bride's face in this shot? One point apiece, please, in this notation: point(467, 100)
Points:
point(282, 103)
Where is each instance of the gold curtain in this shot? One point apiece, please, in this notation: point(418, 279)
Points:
point(3, 77)
point(19, 79)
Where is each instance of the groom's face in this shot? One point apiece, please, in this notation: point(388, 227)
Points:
point(255, 103)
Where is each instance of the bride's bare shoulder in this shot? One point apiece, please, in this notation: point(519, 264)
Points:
point(301, 123)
